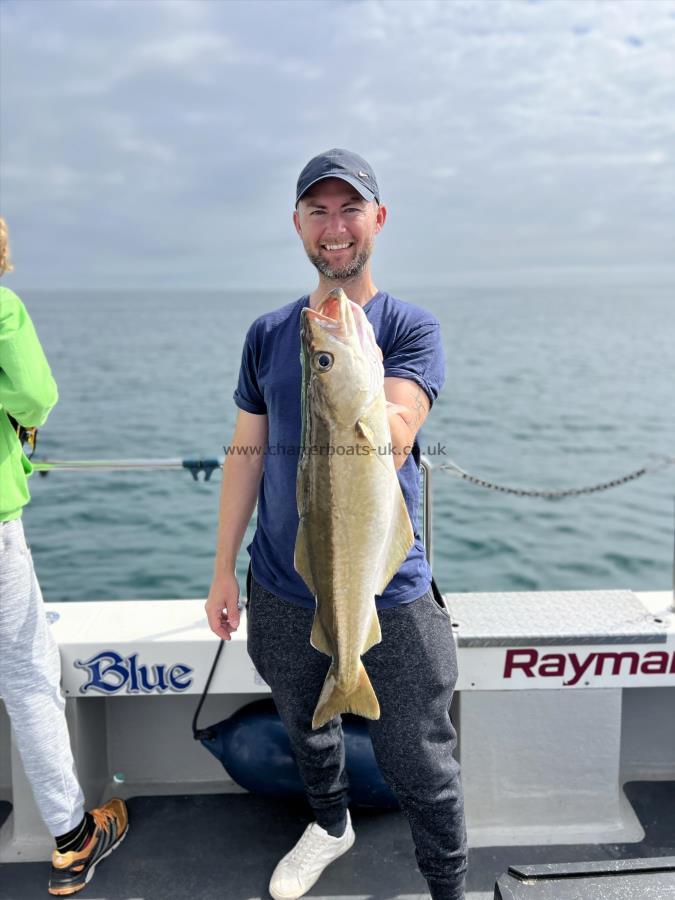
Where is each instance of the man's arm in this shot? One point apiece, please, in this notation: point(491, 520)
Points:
point(27, 389)
point(407, 408)
point(242, 471)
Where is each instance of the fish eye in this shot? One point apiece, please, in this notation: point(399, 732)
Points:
point(323, 361)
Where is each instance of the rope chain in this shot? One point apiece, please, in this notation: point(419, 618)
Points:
point(458, 472)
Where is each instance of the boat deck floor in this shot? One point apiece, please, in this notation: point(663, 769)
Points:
point(225, 846)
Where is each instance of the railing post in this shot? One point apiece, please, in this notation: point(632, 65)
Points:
point(425, 467)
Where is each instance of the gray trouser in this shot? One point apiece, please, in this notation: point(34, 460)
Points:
point(30, 672)
point(413, 671)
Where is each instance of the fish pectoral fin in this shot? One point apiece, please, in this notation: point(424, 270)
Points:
point(318, 638)
point(333, 701)
point(366, 432)
point(301, 558)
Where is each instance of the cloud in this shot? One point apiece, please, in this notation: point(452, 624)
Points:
point(505, 131)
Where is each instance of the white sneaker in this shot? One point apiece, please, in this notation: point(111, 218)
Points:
point(301, 868)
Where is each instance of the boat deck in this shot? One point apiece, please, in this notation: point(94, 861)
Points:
point(225, 846)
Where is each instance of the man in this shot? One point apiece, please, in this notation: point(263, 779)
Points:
point(413, 670)
point(30, 668)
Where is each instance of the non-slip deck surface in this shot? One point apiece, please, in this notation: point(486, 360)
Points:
point(517, 619)
point(224, 847)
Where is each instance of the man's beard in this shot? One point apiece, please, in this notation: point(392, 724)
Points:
point(351, 270)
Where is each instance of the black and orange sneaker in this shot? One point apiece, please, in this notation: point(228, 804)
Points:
point(71, 871)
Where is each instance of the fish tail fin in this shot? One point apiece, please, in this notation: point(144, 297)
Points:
point(334, 700)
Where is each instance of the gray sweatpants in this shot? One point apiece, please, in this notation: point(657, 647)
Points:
point(413, 671)
point(30, 672)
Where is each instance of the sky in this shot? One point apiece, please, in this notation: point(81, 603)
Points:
point(156, 143)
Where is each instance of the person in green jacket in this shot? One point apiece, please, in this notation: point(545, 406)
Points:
point(30, 669)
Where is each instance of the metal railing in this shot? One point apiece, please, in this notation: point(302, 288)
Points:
point(208, 466)
point(427, 508)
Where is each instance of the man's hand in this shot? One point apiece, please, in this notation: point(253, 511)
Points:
point(241, 477)
point(222, 606)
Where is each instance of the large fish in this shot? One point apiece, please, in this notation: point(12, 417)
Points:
point(354, 530)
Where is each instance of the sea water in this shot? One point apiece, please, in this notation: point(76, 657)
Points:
point(547, 388)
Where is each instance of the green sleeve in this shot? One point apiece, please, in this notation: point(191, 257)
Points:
point(27, 389)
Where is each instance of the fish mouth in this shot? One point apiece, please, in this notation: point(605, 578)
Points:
point(333, 315)
point(342, 319)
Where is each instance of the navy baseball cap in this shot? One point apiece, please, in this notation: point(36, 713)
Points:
point(344, 164)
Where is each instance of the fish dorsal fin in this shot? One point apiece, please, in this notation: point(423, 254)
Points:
point(318, 638)
point(301, 558)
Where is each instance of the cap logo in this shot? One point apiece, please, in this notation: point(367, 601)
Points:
point(363, 174)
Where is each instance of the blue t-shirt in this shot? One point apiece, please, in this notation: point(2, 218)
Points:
point(270, 381)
